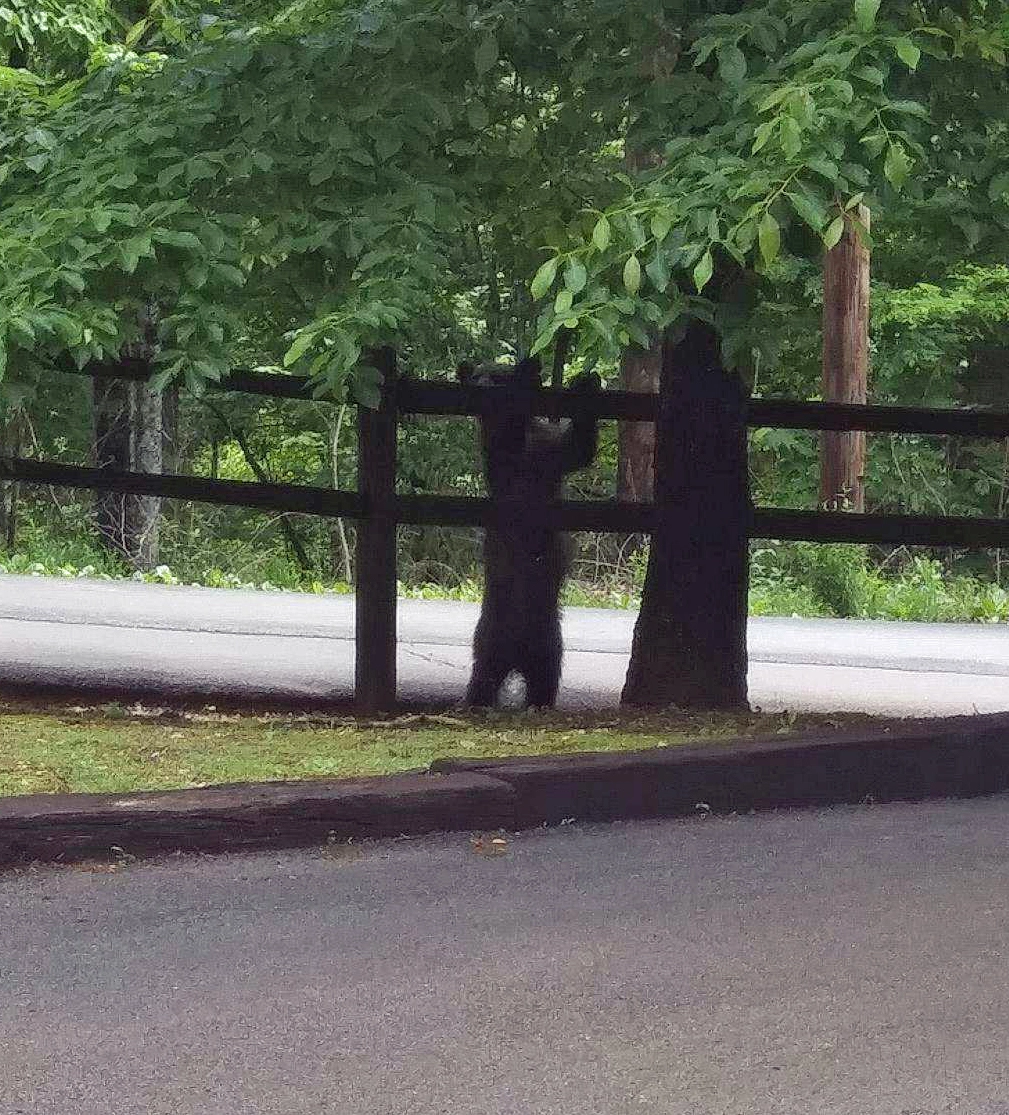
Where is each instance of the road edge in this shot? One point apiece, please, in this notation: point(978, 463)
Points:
point(952, 758)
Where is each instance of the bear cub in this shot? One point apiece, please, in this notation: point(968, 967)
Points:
point(525, 557)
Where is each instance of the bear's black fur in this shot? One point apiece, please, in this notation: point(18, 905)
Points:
point(525, 557)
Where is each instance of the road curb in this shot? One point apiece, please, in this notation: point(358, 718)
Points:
point(957, 757)
point(248, 817)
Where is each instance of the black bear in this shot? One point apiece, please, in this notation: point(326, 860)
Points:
point(525, 558)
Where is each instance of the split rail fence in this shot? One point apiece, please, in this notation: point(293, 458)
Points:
point(378, 508)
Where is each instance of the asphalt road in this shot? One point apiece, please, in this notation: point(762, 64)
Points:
point(295, 648)
point(825, 963)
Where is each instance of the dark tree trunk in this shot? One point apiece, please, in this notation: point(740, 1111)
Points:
point(10, 445)
point(146, 453)
point(111, 446)
point(640, 370)
point(845, 366)
point(128, 436)
point(690, 639)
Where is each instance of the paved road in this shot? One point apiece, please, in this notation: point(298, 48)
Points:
point(833, 963)
point(291, 647)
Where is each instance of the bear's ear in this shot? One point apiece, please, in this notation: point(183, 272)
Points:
point(528, 372)
point(464, 373)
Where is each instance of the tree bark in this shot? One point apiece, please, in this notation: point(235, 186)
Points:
point(128, 435)
point(111, 447)
point(143, 513)
point(689, 645)
point(845, 365)
point(640, 370)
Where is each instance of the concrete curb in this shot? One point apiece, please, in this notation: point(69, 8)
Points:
point(959, 757)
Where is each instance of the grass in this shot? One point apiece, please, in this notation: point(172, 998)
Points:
point(114, 750)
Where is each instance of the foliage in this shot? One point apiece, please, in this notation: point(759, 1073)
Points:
point(327, 162)
point(786, 116)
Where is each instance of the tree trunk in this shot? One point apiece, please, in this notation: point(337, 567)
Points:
point(143, 513)
point(10, 445)
point(690, 638)
point(111, 414)
point(845, 365)
point(640, 370)
point(127, 436)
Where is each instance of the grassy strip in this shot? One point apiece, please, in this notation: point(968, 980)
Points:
point(111, 750)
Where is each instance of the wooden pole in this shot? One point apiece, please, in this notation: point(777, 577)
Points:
point(845, 365)
point(375, 677)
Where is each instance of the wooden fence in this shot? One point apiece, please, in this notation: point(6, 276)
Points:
point(379, 509)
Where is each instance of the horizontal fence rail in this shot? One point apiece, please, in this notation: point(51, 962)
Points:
point(435, 397)
point(467, 511)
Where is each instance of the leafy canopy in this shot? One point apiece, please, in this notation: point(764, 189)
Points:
point(323, 164)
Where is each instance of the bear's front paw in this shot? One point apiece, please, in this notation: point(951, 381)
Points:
point(587, 382)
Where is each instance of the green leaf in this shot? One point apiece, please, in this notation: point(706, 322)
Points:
point(302, 343)
point(543, 280)
point(657, 270)
point(897, 165)
point(763, 134)
point(791, 136)
point(39, 137)
point(197, 275)
point(908, 53)
point(73, 279)
point(835, 230)
point(660, 226)
point(387, 144)
point(769, 237)
point(865, 14)
point(731, 64)
point(998, 187)
point(169, 174)
point(123, 181)
point(632, 274)
point(909, 108)
point(186, 240)
point(575, 275)
point(476, 113)
point(872, 75)
point(486, 54)
point(824, 167)
point(321, 173)
point(563, 302)
point(703, 271)
point(231, 275)
point(37, 162)
point(809, 208)
point(101, 220)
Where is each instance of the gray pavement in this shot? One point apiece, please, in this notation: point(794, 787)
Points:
point(286, 646)
point(824, 963)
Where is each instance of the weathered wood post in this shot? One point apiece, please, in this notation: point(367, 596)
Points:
point(375, 634)
point(690, 639)
point(845, 364)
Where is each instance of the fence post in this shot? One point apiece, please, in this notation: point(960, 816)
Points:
point(690, 639)
point(375, 598)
